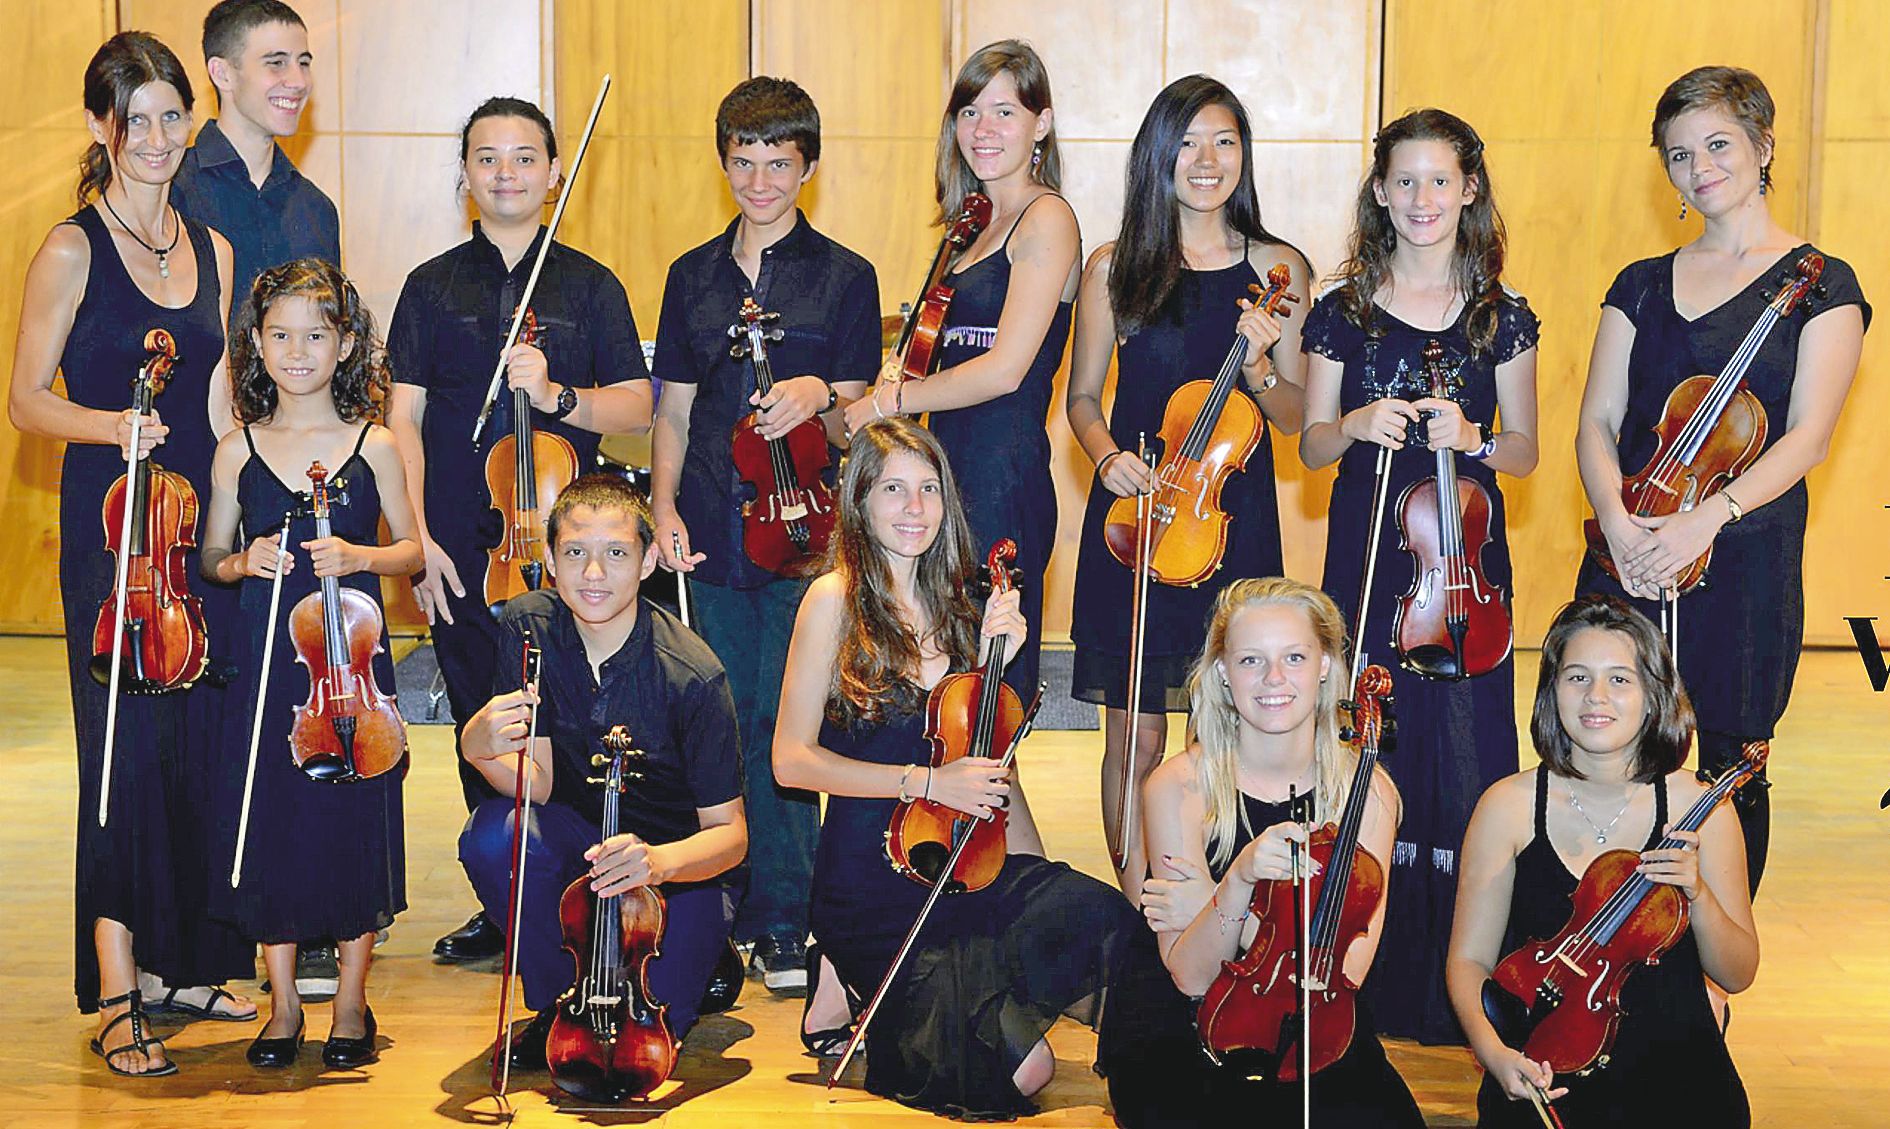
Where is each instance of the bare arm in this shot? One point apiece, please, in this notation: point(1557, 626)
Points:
point(222, 406)
point(1516, 452)
point(615, 409)
point(1828, 352)
point(669, 444)
point(1121, 472)
point(401, 557)
point(1711, 872)
point(1175, 830)
point(55, 284)
point(1285, 403)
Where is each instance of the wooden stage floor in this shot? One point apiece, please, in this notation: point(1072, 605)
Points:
point(1811, 1038)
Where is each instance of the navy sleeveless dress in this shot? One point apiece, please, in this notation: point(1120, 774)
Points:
point(992, 970)
point(1669, 1064)
point(144, 869)
point(1742, 628)
point(1160, 1077)
point(1188, 342)
point(1454, 739)
point(322, 859)
point(1000, 449)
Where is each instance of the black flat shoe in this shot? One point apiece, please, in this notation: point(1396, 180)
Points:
point(725, 983)
point(478, 939)
point(344, 1053)
point(528, 1046)
point(277, 1053)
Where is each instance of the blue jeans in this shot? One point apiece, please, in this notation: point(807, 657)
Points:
point(749, 631)
point(699, 916)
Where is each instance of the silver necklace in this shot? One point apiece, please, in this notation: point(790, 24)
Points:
point(1601, 833)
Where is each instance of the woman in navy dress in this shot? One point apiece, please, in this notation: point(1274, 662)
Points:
point(1168, 298)
point(125, 264)
point(1611, 725)
point(962, 1028)
point(1426, 265)
point(1685, 314)
point(1009, 321)
point(321, 859)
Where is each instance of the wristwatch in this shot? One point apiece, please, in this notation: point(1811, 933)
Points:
point(567, 402)
point(833, 397)
point(1486, 441)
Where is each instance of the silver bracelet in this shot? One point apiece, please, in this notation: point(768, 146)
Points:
point(903, 777)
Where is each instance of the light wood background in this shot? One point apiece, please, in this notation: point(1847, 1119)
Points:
point(1561, 91)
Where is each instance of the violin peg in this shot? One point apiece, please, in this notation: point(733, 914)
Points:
point(775, 334)
point(599, 760)
point(739, 350)
point(736, 331)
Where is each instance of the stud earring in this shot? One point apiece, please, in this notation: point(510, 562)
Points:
point(1683, 206)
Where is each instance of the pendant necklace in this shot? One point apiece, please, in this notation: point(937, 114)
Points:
point(163, 253)
point(1601, 833)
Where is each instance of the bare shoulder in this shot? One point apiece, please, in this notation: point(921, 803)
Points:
point(824, 599)
point(1177, 779)
point(1507, 807)
point(1100, 260)
point(65, 256)
point(1262, 256)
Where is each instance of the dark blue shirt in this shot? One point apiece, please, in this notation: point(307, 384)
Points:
point(828, 299)
point(287, 218)
point(664, 685)
point(448, 328)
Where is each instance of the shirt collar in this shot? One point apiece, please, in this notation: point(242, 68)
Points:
point(488, 247)
point(214, 150)
point(564, 625)
point(796, 244)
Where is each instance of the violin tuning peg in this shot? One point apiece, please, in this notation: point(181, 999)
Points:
point(599, 760)
point(771, 317)
point(597, 780)
point(775, 334)
point(738, 350)
point(735, 331)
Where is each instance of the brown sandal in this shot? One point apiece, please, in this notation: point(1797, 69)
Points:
point(140, 1042)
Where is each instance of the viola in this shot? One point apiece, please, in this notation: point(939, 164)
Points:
point(161, 643)
point(524, 473)
point(1711, 429)
point(1619, 921)
point(785, 526)
point(918, 341)
point(1253, 1006)
point(609, 1039)
point(1207, 434)
point(969, 714)
point(349, 729)
point(1453, 623)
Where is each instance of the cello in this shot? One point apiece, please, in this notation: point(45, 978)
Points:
point(785, 526)
point(917, 349)
point(1453, 623)
point(1711, 429)
point(525, 470)
point(609, 1040)
point(349, 729)
point(1254, 1004)
point(1559, 1000)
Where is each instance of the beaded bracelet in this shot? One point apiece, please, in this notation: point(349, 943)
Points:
point(1224, 920)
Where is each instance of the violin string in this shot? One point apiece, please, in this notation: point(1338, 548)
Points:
point(1700, 424)
point(1203, 427)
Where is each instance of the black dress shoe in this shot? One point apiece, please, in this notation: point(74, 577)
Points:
point(273, 1053)
point(344, 1053)
point(725, 983)
point(528, 1046)
point(478, 939)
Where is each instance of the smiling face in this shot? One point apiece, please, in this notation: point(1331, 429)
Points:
point(1273, 665)
point(1600, 692)
point(298, 346)
point(996, 132)
point(1712, 160)
point(157, 130)
point(1207, 167)
point(507, 170)
point(599, 563)
point(906, 506)
point(268, 84)
point(766, 179)
point(1424, 192)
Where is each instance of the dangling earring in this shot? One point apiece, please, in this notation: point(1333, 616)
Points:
point(1683, 205)
point(1765, 180)
point(1036, 157)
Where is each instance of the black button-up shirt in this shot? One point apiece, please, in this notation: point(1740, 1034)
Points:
point(664, 685)
point(448, 328)
point(287, 218)
point(828, 299)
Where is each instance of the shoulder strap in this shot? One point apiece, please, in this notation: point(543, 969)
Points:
point(251, 440)
point(1660, 809)
point(361, 441)
point(1542, 802)
point(1025, 212)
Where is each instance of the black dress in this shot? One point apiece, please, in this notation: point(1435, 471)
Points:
point(1000, 450)
point(1160, 1078)
point(991, 971)
point(1669, 1064)
point(145, 868)
point(1187, 342)
point(1751, 607)
point(322, 859)
point(1454, 739)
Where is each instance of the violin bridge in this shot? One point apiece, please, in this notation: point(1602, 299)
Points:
point(1577, 969)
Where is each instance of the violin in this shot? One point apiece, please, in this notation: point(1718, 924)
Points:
point(609, 1039)
point(349, 729)
point(969, 714)
point(1253, 1005)
point(524, 473)
point(1207, 434)
point(918, 341)
point(157, 623)
point(1453, 623)
point(785, 526)
point(1620, 920)
point(1711, 429)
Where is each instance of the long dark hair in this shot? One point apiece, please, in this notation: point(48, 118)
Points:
point(118, 68)
point(361, 378)
point(1667, 731)
point(1021, 61)
point(1147, 260)
point(1478, 262)
point(879, 653)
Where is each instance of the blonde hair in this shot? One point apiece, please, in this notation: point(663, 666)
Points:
point(1215, 723)
point(1021, 61)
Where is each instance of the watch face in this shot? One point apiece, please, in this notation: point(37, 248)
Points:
point(567, 400)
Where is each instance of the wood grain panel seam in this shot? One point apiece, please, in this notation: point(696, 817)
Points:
point(1812, 201)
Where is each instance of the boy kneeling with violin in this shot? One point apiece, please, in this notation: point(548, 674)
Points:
point(608, 659)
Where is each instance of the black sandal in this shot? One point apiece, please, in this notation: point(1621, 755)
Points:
point(208, 1010)
point(140, 1042)
point(832, 1042)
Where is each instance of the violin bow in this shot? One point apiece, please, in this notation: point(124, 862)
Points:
point(925, 911)
point(1138, 632)
point(1545, 1109)
point(530, 667)
point(132, 501)
point(538, 263)
point(682, 583)
point(1302, 944)
point(1371, 563)
point(262, 695)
